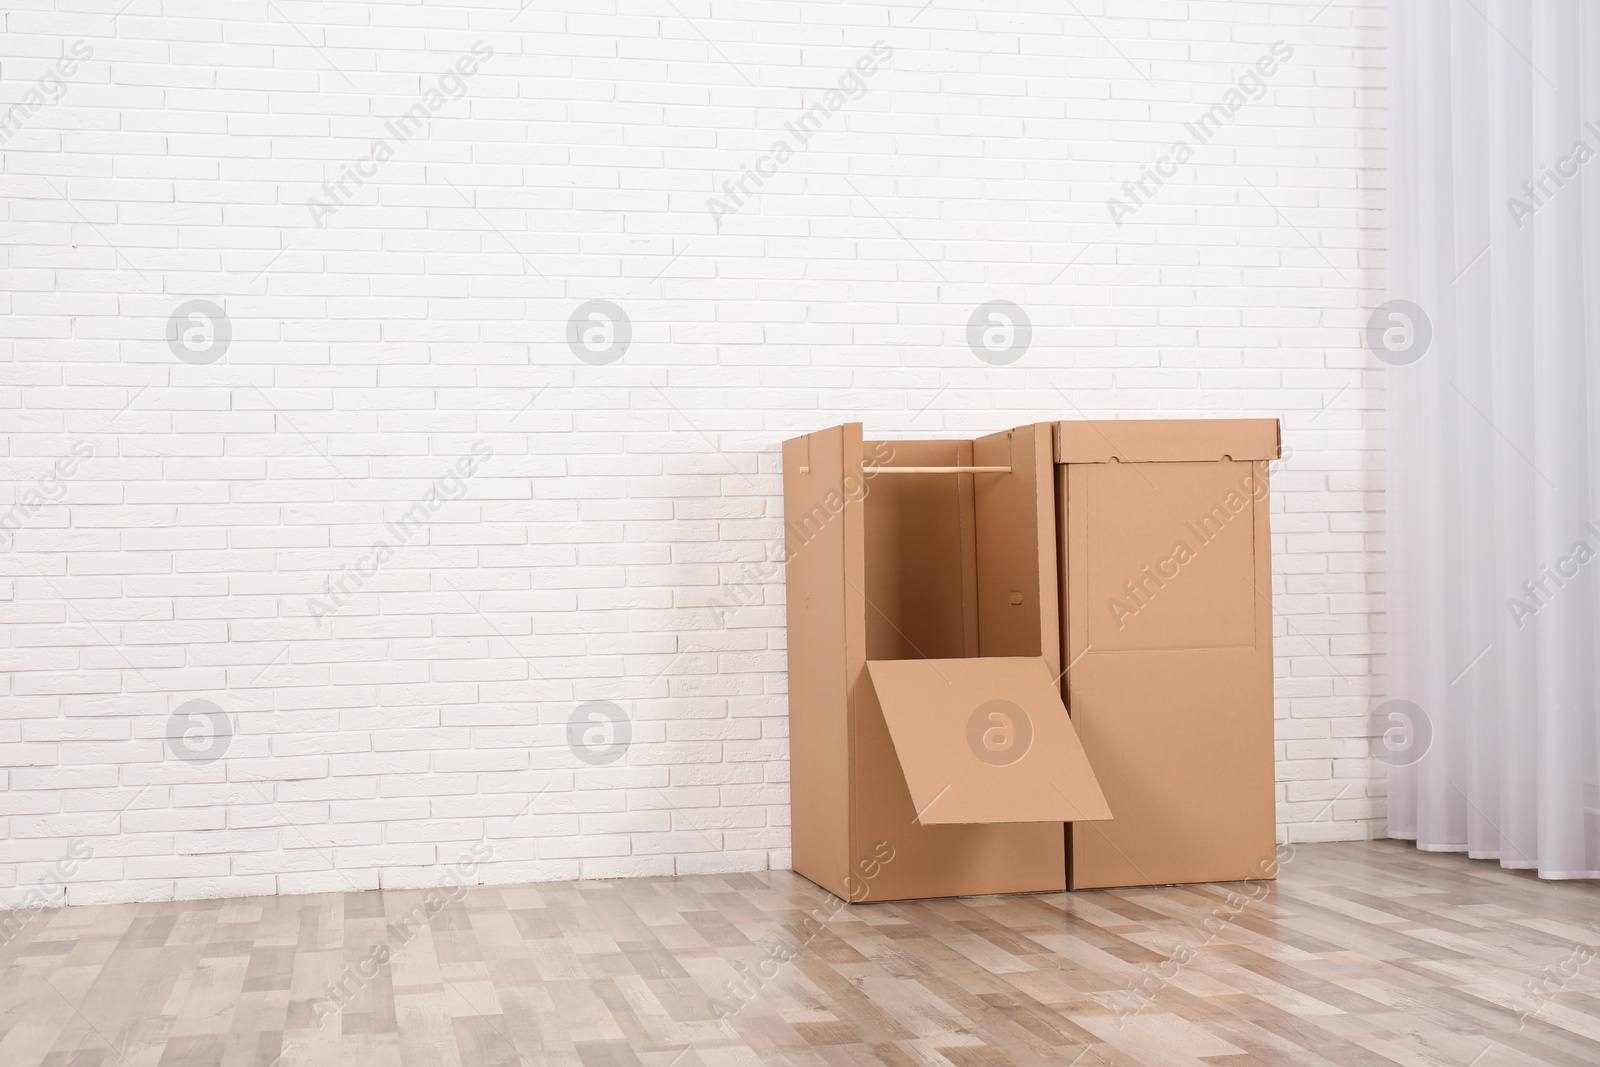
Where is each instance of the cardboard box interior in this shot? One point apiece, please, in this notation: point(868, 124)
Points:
point(933, 594)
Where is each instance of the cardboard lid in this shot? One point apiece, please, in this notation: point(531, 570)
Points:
point(1165, 440)
point(985, 740)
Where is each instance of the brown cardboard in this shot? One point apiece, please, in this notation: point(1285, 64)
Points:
point(985, 740)
point(911, 567)
point(931, 609)
point(819, 555)
point(1166, 440)
point(1145, 568)
point(1017, 601)
point(1166, 583)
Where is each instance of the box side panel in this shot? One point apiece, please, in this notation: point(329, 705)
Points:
point(815, 538)
point(1018, 613)
point(1263, 738)
point(1169, 628)
point(1064, 634)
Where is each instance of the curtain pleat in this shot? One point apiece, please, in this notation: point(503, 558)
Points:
point(1493, 534)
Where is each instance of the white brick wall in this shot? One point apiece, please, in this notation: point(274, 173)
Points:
point(211, 539)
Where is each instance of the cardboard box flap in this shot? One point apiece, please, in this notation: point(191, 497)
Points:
point(985, 740)
point(1166, 440)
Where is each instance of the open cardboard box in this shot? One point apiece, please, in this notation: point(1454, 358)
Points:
point(926, 723)
point(935, 589)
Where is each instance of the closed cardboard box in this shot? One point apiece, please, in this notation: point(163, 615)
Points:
point(1166, 582)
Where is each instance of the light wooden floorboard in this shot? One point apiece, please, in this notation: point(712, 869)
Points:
point(1362, 953)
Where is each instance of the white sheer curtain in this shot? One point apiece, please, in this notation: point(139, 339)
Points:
point(1493, 550)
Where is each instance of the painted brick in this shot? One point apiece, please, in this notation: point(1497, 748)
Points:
point(214, 552)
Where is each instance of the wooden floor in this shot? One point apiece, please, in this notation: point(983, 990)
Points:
point(1367, 953)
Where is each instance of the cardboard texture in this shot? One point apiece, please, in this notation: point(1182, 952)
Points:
point(1031, 767)
point(889, 567)
point(1166, 582)
point(931, 612)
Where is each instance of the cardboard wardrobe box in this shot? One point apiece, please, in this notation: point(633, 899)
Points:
point(930, 751)
point(1167, 630)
